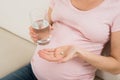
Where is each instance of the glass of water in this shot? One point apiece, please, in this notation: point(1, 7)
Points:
point(41, 26)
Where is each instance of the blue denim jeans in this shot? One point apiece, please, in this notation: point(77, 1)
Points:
point(24, 73)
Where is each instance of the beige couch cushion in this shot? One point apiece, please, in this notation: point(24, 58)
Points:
point(14, 52)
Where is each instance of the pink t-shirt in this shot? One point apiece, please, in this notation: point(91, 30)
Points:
point(85, 29)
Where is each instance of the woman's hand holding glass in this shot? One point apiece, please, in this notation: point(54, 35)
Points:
point(33, 34)
point(40, 26)
point(36, 35)
point(60, 54)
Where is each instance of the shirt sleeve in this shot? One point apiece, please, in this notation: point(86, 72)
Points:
point(116, 24)
point(52, 3)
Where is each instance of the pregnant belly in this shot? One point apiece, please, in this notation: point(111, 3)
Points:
point(72, 70)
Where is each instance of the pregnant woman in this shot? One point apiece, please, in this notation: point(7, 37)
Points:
point(81, 28)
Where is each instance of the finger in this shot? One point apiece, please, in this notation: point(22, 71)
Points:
point(44, 52)
point(49, 58)
point(50, 50)
point(31, 29)
point(46, 57)
point(50, 55)
point(34, 39)
point(33, 35)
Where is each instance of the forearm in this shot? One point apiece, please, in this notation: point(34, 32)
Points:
point(101, 62)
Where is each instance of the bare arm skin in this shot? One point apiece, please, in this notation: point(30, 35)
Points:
point(111, 63)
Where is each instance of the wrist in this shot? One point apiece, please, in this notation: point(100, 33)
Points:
point(75, 50)
point(79, 51)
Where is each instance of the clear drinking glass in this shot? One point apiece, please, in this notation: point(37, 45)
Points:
point(41, 26)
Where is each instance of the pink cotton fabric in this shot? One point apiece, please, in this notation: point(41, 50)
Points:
point(85, 29)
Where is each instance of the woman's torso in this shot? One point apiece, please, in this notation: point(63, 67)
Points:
point(86, 29)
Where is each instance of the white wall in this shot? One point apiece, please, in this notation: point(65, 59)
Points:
point(14, 15)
